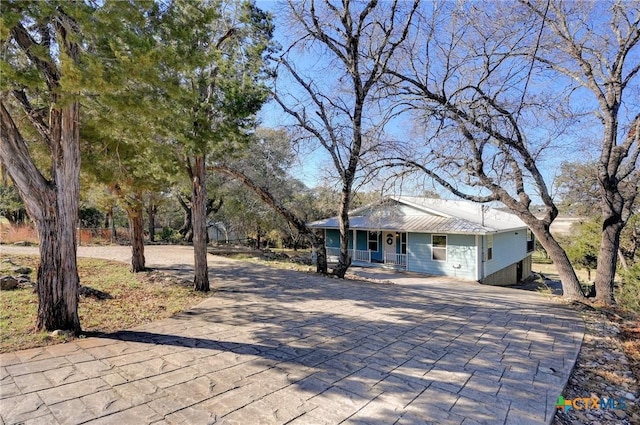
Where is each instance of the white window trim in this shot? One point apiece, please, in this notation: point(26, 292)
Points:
point(433, 248)
point(369, 240)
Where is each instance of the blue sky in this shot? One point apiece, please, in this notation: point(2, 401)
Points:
point(310, 173)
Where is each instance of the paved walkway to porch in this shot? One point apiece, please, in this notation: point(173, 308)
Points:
point(282, 347)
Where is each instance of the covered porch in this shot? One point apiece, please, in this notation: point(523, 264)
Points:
point(371, 248)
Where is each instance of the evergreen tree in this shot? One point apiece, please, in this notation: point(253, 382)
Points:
point(222, 47)
point(57, 55)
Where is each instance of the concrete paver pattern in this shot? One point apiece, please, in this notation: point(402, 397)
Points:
point(283, 347)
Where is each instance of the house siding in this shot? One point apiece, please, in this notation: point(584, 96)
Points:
point(461, 256)
point(508, 248)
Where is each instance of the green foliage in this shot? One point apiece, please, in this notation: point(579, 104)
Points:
point(583, 246)
point(628, 293)
point(214, 72)
point(170, 235)
point(630, 240)
point(540, 256)
point(90, 217)
point(11, 205)
point(578, 189)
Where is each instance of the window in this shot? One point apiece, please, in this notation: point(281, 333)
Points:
point(489, 247)
point(373, 241)
point(403, 243)
point(439, 247)
point(531, 241)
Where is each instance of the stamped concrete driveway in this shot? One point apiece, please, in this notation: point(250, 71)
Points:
point(282, 347)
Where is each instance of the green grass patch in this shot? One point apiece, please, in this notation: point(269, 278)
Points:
point(539, 258)
point(136, 299)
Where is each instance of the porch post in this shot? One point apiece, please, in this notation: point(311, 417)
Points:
point(353, 245)
point(406, 261)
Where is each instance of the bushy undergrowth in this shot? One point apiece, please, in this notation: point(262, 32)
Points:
point(170, 235)
point(628, 294)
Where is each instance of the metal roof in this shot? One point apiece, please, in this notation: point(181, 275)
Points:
point(427, 215)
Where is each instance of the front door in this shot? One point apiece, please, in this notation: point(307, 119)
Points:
point(389, 241)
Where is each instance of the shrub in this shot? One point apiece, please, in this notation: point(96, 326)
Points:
point(170, 235)
point(628, 293)
point(90, 217)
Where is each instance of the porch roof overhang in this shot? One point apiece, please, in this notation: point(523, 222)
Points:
point(412, 223)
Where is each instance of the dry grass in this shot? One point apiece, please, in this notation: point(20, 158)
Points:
point(613, 377)
point(13, 234)
point(135, 299)
point(630, 335)
point(10, 234)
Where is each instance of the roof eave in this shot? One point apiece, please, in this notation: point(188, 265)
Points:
point(454, 232)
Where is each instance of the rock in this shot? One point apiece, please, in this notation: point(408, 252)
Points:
point(8, 283)
point(61, 333)
point(620, 414)
point(630, 396)
point(23, 270)
point(581, 417)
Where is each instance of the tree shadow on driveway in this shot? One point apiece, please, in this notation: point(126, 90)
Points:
point(313, 349)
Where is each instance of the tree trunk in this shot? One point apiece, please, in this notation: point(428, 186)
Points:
point(187, 225)
point(623, 261)
point(109, 223)
point(317, 241)
point(58, 280)
point(136, 228)
point(571, 288)
point(57, 283)
point(344, 260)
point(114, 230)
point(152, 209)
point(199, 224)
point(258, 238)
point(53, 205)
point(607, 259)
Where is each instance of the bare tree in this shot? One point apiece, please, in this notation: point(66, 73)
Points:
point(335, 104)
point(597, 46)
point(466, 77)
